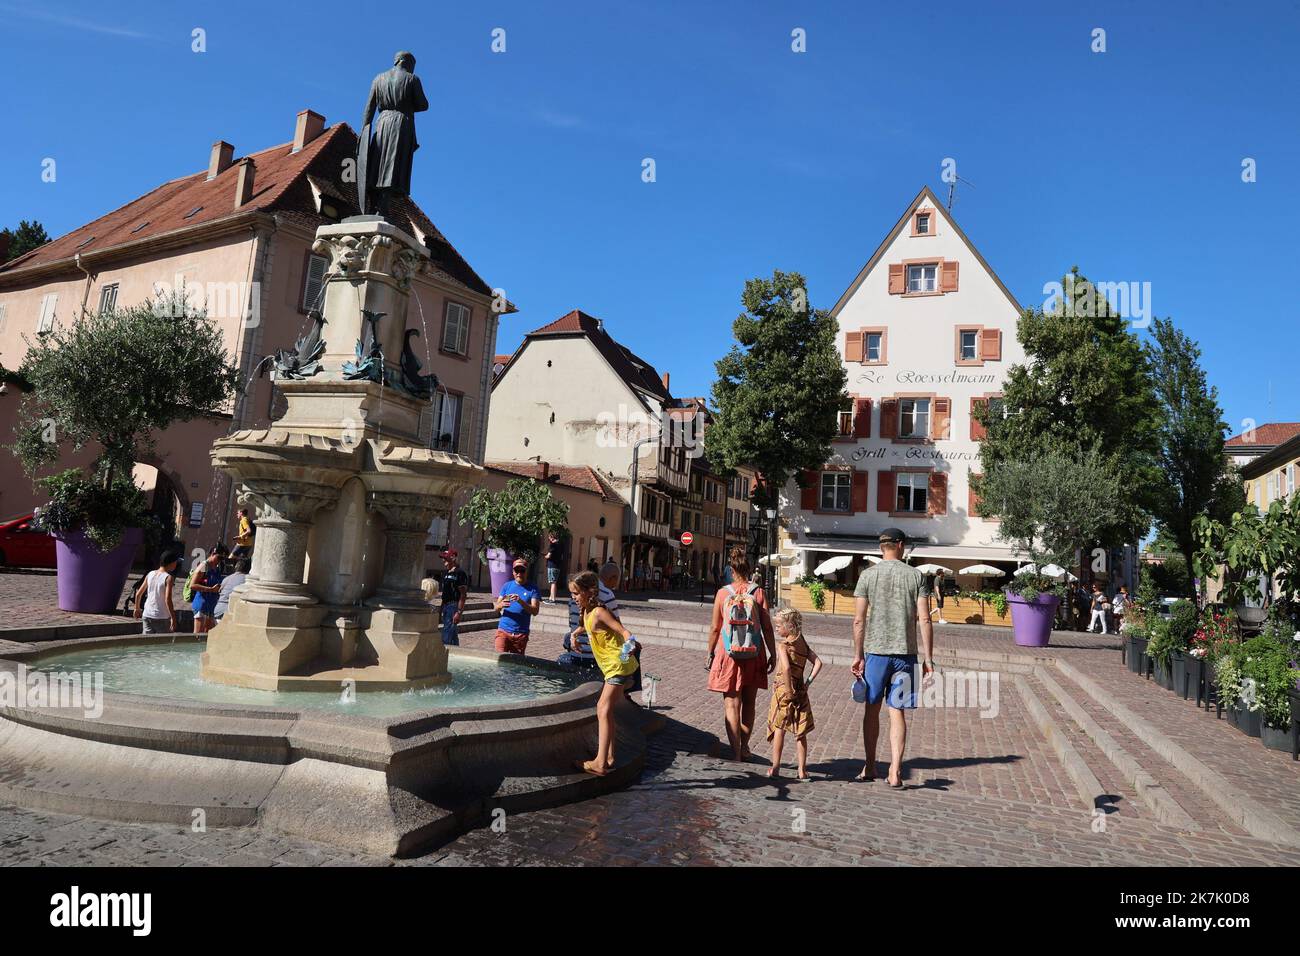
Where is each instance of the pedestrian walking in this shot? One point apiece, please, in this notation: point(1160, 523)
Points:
point(244, 536)
point(153, 599)
point(1119, 607)
point(1098, 604)
point(555, 563)
point(742, 625)
point(891, 606)
point(790, 710)
point(938, 594)
point(455, 591)
point(517, 604)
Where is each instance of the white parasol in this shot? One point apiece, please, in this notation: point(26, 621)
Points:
point(983, 570)
point(831, 565)
point(932, 569)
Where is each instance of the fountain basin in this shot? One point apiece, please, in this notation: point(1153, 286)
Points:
point(394, 775)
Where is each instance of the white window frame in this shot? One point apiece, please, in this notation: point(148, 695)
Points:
point(846, 425)
point(926, 219)
point(872, 352)
point(918, 410)
point(974, 345)
point(1290, 469)
point(49, 308)
point(458, 326)
point(923, 277)
point(446, 404)
point(107, 298)
point(313, 281)
point(4, 309)
point(840, 483)
point(911, 484)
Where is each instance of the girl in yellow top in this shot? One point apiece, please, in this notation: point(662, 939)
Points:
point(607, 639)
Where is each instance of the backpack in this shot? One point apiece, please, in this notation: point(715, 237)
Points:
point(741, 631)
point(188, 593)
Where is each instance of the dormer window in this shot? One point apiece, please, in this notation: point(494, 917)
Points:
point(923, 222)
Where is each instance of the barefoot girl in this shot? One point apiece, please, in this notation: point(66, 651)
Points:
point(608, 638)
point(790, 709)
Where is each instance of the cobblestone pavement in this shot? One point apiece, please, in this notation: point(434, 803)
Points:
point(978, 791)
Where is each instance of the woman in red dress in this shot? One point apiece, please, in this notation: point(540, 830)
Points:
point(738, 678)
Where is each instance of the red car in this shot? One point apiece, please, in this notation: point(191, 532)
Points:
point(23, 546)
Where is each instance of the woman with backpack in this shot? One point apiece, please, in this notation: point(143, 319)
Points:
point(739, 667)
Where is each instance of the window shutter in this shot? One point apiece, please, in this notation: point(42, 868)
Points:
point(808, 494)
point(466, 432)
point(948, 276)
point(858, 491)
point(977, 431)
point(885, 491)
point(463, 341)
point(862, 419)
point(897, 279)
point(313, 281)
point(972, 499)
point(889, 418)
point(937, 497)
point(991, 344)
point(941, 420)
point(853, 347)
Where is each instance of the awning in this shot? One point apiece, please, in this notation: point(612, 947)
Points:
point(861, 544)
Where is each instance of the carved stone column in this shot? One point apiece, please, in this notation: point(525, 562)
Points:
point(284, 512)
point(408, 517)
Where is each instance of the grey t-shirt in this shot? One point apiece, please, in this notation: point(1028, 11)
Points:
point(892, 589)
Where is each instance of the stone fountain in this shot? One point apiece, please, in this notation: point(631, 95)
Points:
point(343, 490)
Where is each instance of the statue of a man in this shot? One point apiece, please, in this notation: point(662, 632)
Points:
point(387, 142)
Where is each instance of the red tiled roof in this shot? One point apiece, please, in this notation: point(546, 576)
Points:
point(1266, 435)
point(583, 478)
point(626, 364)
point(280, 185)
point(501, 359)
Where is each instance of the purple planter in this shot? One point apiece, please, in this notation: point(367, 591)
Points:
point(499, 569)
point(1032, 620)
point(90, 580)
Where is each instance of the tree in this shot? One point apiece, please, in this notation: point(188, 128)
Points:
point(16, 242)
point(514, 518)
point(781, 386)
point(1086, 384)
point(1198, 477)
point(109, 381)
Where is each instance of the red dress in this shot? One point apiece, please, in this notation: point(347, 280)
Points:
point(730, 676)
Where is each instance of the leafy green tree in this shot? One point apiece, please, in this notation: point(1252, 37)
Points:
point(1085, 384)
point(25, 238)
point(1198, 477)
point(109, 382)
point(514, 518)
point(781, 386)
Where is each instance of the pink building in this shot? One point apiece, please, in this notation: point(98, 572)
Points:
point(237, 237)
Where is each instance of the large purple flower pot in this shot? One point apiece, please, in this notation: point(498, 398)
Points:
point(90, 580)
point(499, 569)
point(1031, 621)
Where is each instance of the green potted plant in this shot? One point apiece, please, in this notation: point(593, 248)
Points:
point(110, 382)
point(511, 522)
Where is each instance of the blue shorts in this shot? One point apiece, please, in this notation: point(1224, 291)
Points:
point(552, 574)
point(895, 671)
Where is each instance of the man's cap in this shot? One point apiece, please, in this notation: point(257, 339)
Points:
point(893, 534)
point(450, 553)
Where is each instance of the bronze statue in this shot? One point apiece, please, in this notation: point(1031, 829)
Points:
point(385, 151)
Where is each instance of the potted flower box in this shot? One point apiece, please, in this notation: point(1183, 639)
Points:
point(1275, 738)
point(1137, 653)
point(1294, 697)
point(1247, 721)
point(1163, 673)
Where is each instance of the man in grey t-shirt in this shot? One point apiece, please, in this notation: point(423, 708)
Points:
point(899, 605)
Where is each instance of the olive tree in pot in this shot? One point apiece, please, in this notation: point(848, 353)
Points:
point(109, 382)
point(1249, 548)
point(1050, 504)
point(511, 522)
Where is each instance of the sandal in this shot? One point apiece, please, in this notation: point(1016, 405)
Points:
point(589, 766)
point(864, 777)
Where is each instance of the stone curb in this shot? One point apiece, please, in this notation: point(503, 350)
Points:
point(1162, 804)
point(1089, 787)
point(1257, 821)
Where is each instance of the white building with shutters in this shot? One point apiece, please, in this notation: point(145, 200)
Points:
point(926, 331)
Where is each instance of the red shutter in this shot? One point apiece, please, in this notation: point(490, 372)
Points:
point(948, 277)
point(808, 495)
point(937, 499)
point(889, 418)
point(991, 344)
point(972, 499)
point(941, 420)
point(858, 491)
point(977, 431)
point(885, 491)
point(853, 347)
point(862, 419)
point(897, 279)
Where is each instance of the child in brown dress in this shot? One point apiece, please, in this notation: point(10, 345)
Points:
point(790, 709)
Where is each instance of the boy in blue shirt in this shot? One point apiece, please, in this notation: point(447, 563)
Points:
point(516, 604)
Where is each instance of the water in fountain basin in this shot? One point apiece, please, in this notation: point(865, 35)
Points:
point(172, 670)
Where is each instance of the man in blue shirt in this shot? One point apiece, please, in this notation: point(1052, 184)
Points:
point(516, 604)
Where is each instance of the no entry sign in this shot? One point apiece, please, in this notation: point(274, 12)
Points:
point(687, 538)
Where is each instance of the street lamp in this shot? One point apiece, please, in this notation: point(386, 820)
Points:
point(771, 550)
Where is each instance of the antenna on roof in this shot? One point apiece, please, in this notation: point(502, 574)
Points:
point(952, 189)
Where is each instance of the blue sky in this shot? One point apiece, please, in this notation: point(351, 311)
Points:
point(1127, 162)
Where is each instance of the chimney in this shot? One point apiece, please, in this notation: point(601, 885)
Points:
point(219, 161)
point(244, 184)
point(665, 381)
point(309, 126)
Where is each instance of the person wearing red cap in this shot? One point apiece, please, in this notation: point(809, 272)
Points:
point(455, 589)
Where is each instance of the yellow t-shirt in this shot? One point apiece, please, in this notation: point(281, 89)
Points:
point(605, 647)
point(245, 537)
